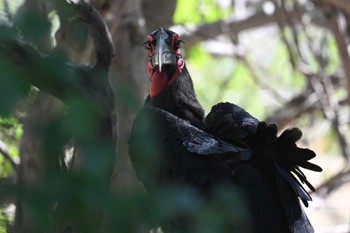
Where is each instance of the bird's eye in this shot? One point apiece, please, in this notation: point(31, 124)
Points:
point(147, 44)
point(178, 44)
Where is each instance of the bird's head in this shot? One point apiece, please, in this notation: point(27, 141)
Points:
point(165, 62)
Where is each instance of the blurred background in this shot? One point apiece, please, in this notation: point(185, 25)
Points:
point(284, 61)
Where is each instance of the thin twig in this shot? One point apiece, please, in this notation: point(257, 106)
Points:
point(324, 89)
point(261, 82)
point(301, 52)
point(243, 58)
point(302, 103)
point(295, 32)
point(309, 43)
point(207, 31)
point(341, 44)
point(333, 183)
point(282, 17)
point(331, 106)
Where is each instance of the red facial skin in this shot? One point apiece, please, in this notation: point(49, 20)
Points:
point(160, 80)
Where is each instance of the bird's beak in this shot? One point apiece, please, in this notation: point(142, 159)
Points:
point(163, 54)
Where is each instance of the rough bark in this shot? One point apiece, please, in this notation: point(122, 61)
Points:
point(128, 79)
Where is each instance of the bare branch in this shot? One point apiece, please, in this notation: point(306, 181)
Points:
point(96, 25)
point(241, 56)
point(324, 90)
point(341, 44)
point(282, 15)
point(333, 183)
point(99, 33)
point(300, 104)
point(29, 60)
point(343, 4)
point(255, 20)
point(64, 79)
point(262, 83)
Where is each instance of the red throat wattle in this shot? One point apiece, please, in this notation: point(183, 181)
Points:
point(160, 80)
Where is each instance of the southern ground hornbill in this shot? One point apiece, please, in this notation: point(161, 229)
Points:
point(228, 148)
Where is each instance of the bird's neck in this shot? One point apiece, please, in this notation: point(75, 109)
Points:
point(179, 98)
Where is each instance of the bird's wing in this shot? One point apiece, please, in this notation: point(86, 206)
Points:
point(286, 155)
point(281, 158)
point(179, 150)
point(230, 122)
point(167, 150)
point(278, 157)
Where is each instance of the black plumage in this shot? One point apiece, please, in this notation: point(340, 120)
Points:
point(229, 147)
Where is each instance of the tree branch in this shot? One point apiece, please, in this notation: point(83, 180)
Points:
point(53, 75)
point(302, 103)
point(341, 44)
point(99, 33)
point(258, 19)
point(85, 90)
point(59, 80)
point(342, 4)
point(333, 183)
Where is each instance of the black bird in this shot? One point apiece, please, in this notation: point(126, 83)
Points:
point(229, 147)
